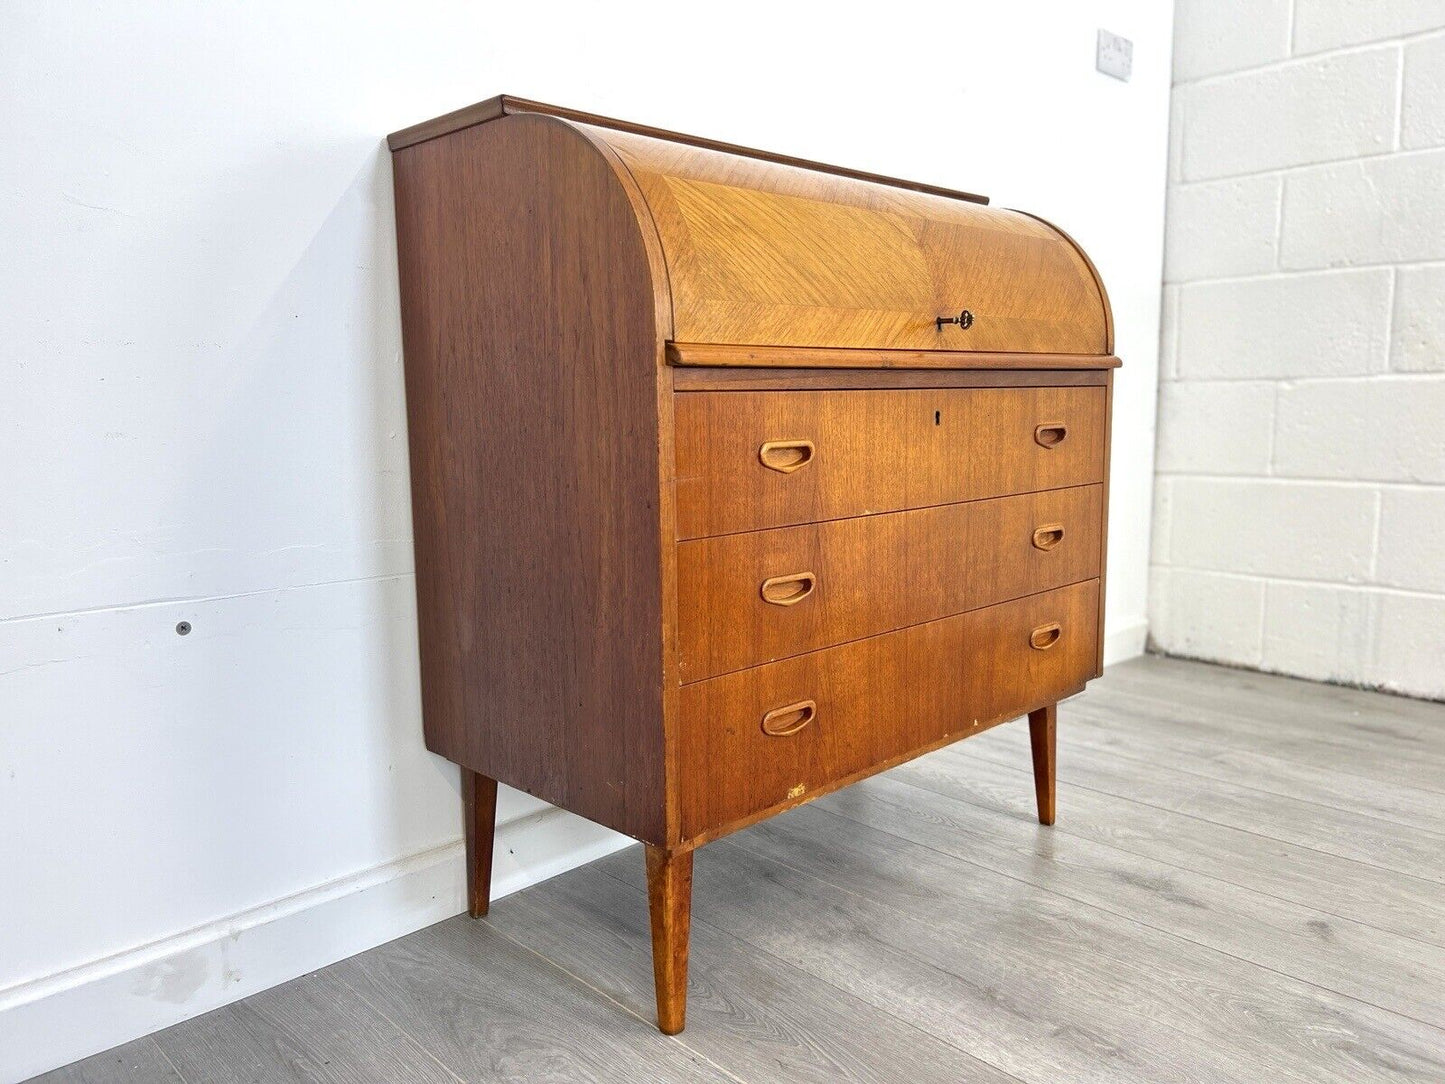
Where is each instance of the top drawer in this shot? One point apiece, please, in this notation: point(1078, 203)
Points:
point(750, 460)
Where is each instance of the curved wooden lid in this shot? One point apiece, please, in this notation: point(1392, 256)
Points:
point(767, 251)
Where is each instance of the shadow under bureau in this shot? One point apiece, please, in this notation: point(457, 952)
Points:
point(735, 478)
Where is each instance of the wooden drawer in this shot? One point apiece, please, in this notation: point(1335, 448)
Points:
point(874, 701)
point(751, 598)
point(750, 460)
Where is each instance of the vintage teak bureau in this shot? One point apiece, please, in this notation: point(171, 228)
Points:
point(736, 478)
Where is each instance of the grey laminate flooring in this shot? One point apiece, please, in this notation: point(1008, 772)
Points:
point(1246, 883)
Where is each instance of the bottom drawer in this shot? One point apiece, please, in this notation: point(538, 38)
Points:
point(761, 737)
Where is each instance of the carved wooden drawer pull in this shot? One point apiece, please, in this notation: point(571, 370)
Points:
point(789, 590)
point(1050, 434)
point(1045, 636)
point(1048, 536)
point(786, 456)
point(780, 722)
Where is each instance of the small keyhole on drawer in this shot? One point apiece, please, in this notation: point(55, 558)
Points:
point(938, 417)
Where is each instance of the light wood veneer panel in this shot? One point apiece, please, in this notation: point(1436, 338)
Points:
point(768, 254)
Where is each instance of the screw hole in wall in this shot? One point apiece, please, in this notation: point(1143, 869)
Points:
point(183, 628)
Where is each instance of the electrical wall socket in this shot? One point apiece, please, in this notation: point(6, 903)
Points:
point(1115, 55)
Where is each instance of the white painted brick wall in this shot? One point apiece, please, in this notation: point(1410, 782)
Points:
point(1376, 211)
point(1196, 248)
point(1204, 615)
point(1159, 540)
point(1336, 323)
point(1418, 342)
point(1316, 110)
point(1412, 532)
point(1228, 35)
point(1268, 528)
point(1410, 643)
point(1318, 631)
point(1329, 24)
point(1195, 415)
point(1169, 334)
point(1300, 488)
point(1422, 121)
point(1391, 429)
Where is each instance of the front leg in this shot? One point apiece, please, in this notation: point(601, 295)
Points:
point(1042, 727)
point(669, 899)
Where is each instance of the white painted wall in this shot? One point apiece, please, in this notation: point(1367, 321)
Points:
point(202, 421)
point(1301, 471)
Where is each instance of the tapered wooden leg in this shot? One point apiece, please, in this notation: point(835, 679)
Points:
point(479, 813)
point(1042, 725)
point(669, 898)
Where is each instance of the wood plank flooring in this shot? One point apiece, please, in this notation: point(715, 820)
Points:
point(1246, 883)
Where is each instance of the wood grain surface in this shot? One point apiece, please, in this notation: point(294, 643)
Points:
point(669, 903)
point(1358, 892)
point(766, 254)
point(876, 699)
point(479, 821)
point(138, 1062)
point(1164, 1007)
point(527, 286)
point(874, 574)
point(764, 1018)
point(314, 1030)
point(876, 451)
point(953, 805)
point(488, 1009)
point(1043, 747)
point(1105, 764)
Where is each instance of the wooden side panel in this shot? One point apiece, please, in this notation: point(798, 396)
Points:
point(827, 583)
point(761, 253)
point(875, 700)
point(532, 359)
point(875, 451)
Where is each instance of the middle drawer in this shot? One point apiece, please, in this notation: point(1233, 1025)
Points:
point(747, 599)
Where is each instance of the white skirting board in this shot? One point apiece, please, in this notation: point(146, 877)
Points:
point(61, 1018)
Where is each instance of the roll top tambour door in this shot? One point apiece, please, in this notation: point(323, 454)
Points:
point(761, 253)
